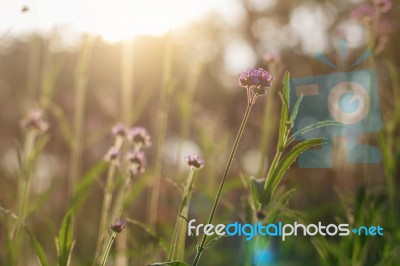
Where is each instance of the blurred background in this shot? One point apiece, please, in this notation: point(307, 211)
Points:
point(91, 64)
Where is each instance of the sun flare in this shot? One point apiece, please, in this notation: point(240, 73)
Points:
point(114, 20)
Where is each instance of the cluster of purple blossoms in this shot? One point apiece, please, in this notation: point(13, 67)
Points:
point(256, 81)
point(139, 139)
point(194, 161)
point(137, 161)
point(112, 154)
point(119, 130)
point(34, 120)
point(363, 13)
point(366, 12)
point(383, 5)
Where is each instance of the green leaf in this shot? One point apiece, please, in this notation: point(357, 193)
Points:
point(295, 110)
point(85, 184)
point(280, 199)
point(286, 86)
point(314, 126)
point(38, 248)
point(213, 241)
point(284, 110)
point(286, 162)
point(162, 243)
point(64, 240)
point(36, 245)
point(172, 263)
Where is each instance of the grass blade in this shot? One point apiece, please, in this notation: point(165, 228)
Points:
point(64, 240)
point(312, 127)
point(35, 243)
point(295, 110)
point(286, 162)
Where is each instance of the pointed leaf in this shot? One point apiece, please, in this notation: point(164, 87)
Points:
point(36, 245)
point(172, 263)
point(161, 242)
point(286, 162)
point(314, 126)
point(295, 110)
point(64, 240)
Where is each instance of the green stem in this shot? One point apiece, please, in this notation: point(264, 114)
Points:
point(24, 187)
point(127, 75)
point(162, 118)
point(200, 249)
point(176, 251)
point(105, 210)
point(109, 245)
point(81, 80)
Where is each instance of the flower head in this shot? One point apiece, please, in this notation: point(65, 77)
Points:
point(194, 161)
point(34, 120)
point(119, 130)
point(118, 226)
point(137, 160)
point(383, 5)
point(139, 137)
point(112, 154)
point(260, 215)
point(363, 13)
point(256, 81)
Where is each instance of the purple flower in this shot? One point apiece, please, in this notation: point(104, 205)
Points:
point(139, 137)
point(259, 78)
point(256, 81)
point(363, 13)
point(112, 154)
point(34, 121)
point(194, 161)
point(119, 130)
point(383, 5)
point(137, 160)
point(118, 226)
point(260, 215)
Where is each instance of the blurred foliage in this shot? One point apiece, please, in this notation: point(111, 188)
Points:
point(204, 111)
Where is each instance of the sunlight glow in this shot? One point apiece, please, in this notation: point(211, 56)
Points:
point(114, 20)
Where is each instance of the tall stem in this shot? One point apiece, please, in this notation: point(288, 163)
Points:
point(176, 251)
point(162, 118)
point(105, 210)
point(200, 249)
point(81, 80)
point(127, 76)
point(107, 251)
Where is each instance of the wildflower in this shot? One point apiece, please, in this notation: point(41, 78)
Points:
point(137, 160)
point(260, 215)
point(272, 58)
point(383, 5)
point(112, 154)
point(118, 226)
point(139, 137)
point(363, 13)
point(194, 161)
point(34, 121)
point(119, 130)
point(256, 81)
